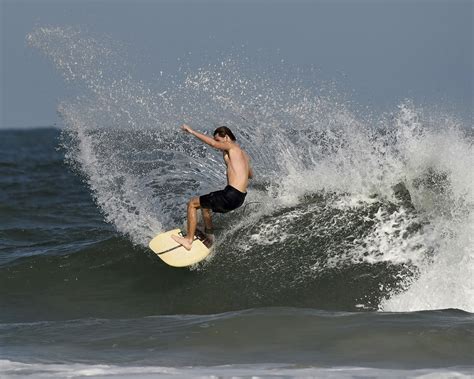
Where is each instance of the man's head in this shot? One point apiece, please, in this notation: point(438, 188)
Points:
point(222, 132)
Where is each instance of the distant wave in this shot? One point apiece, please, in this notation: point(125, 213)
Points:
point(14, 369)
point(305, 337)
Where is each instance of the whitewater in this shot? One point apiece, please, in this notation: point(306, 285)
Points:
point(123, 136)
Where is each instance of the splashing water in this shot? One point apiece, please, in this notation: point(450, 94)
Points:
point(122, 135)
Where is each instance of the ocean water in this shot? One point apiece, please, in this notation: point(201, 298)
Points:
point(353, 256)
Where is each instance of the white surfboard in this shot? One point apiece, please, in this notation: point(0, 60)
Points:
point(173, 254)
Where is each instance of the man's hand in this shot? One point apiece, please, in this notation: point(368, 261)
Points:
point(186, 128)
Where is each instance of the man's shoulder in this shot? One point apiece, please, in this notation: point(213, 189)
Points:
point(234, 146)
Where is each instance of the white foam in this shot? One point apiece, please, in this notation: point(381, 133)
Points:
point(446, 281)
point(14, 370)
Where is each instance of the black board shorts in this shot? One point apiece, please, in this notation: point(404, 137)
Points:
point(223, 201)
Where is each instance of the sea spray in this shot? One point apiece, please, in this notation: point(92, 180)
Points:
point(438, 166)
point(326, 175)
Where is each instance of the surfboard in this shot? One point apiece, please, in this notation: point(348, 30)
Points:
point(173, 254)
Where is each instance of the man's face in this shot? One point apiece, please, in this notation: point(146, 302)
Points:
point(218, 138)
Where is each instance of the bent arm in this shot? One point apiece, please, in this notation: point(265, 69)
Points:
point(207, 140)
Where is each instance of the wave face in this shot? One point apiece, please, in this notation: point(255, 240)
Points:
point(348, 209)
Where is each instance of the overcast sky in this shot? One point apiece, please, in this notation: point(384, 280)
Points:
point(381, 51)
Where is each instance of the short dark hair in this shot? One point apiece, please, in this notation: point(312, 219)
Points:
point(223, 131)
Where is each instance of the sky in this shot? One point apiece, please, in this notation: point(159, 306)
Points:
point(381, 52)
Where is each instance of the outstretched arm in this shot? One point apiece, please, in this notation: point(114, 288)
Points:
point(206, 139)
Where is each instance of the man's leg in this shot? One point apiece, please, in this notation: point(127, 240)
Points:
point(206, 216)
point(187, 241)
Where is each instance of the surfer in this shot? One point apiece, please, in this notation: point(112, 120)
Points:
point(232, 196)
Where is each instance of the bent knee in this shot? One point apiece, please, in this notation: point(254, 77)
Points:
point(194, 203)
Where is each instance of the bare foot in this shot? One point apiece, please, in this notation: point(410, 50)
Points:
point(187, 244)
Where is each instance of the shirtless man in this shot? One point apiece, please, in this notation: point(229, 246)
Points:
point(232, 196)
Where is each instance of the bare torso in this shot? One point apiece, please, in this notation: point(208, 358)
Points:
point(238, 167)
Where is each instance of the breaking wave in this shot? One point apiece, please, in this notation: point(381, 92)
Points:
point(382, 202)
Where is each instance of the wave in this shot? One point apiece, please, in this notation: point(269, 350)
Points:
point(13, 369)
point(305, 337)
point(328, 177)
